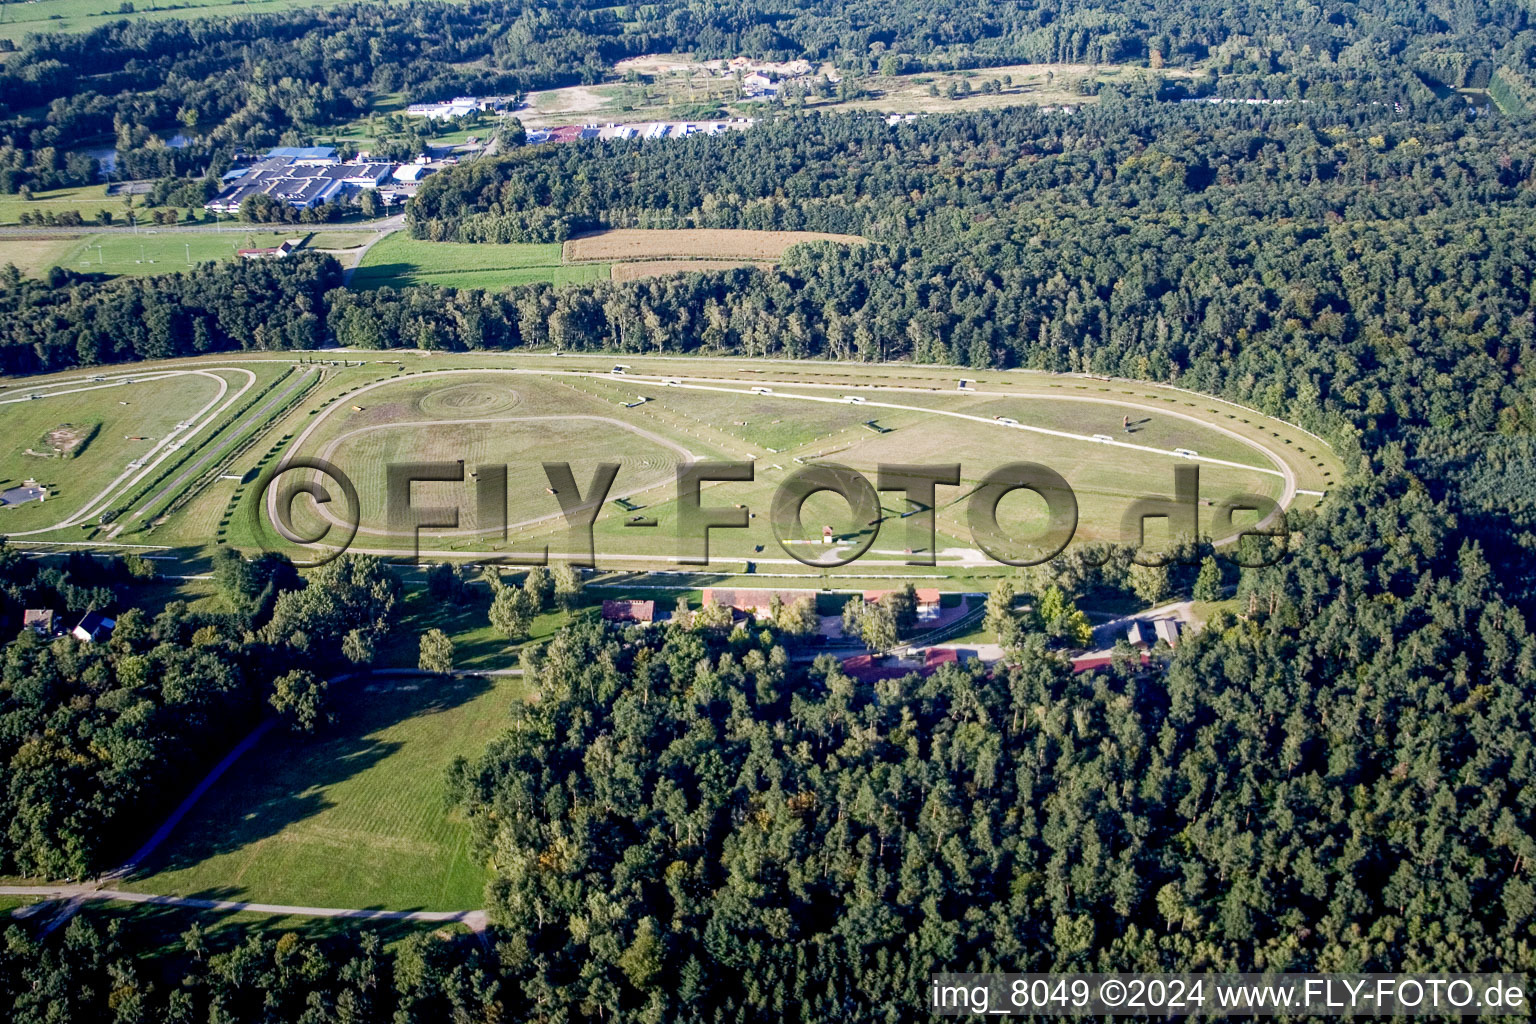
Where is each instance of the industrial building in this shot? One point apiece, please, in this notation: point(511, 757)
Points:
point(301, 177)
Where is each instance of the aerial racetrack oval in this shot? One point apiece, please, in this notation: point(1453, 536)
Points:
point(1114, 442)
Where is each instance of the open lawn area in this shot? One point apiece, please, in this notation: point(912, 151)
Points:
point(86, 200)
point(353, 817)
point(157, 251)
point(154, 931)
point(153, 252)
point(476, 643)
point(399, 261)
point(680, 88)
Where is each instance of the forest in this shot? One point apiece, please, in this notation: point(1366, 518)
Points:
point(242, 84)
point(97, 737)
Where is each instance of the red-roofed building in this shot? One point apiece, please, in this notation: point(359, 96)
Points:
point(1103, 661)
point(868, 669)
point(928, 600)
point(933, 657)
point(753, 602)
point(629, 611)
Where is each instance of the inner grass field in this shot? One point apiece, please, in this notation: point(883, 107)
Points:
point(129, 419)
point(399, 261)
point(353, 817)
point(521, 420)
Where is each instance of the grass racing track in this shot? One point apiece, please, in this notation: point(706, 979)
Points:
point(524, 415)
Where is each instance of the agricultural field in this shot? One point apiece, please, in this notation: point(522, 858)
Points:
point(33, 256)
point(351, 818)
point(399, 260)
point(692, 244)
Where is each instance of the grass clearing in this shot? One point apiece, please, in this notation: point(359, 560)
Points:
point(353, 817)
point(33, 256)
point(154, 931)
point(476, 644)
point(86, 200)
point(693, 244)
point(678, 87)
point(399, 260)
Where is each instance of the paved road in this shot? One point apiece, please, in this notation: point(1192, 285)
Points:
point(384, 228)
point(77, 894)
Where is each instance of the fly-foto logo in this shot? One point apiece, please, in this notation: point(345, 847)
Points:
point(340, 513)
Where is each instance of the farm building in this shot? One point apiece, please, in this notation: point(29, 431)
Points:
point(93, 627)
point(274, 253)
point(459, 106)
point(629, 611)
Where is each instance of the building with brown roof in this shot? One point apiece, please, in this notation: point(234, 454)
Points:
point(629, 611)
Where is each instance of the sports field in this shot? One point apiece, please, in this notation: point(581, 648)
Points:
point(155, 251)
point(399, 260)
point(352, 818)
point(1113, 446)
point(116, 424)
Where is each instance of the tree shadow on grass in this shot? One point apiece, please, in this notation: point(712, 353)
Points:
point(153, 932)
point(283, 780)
